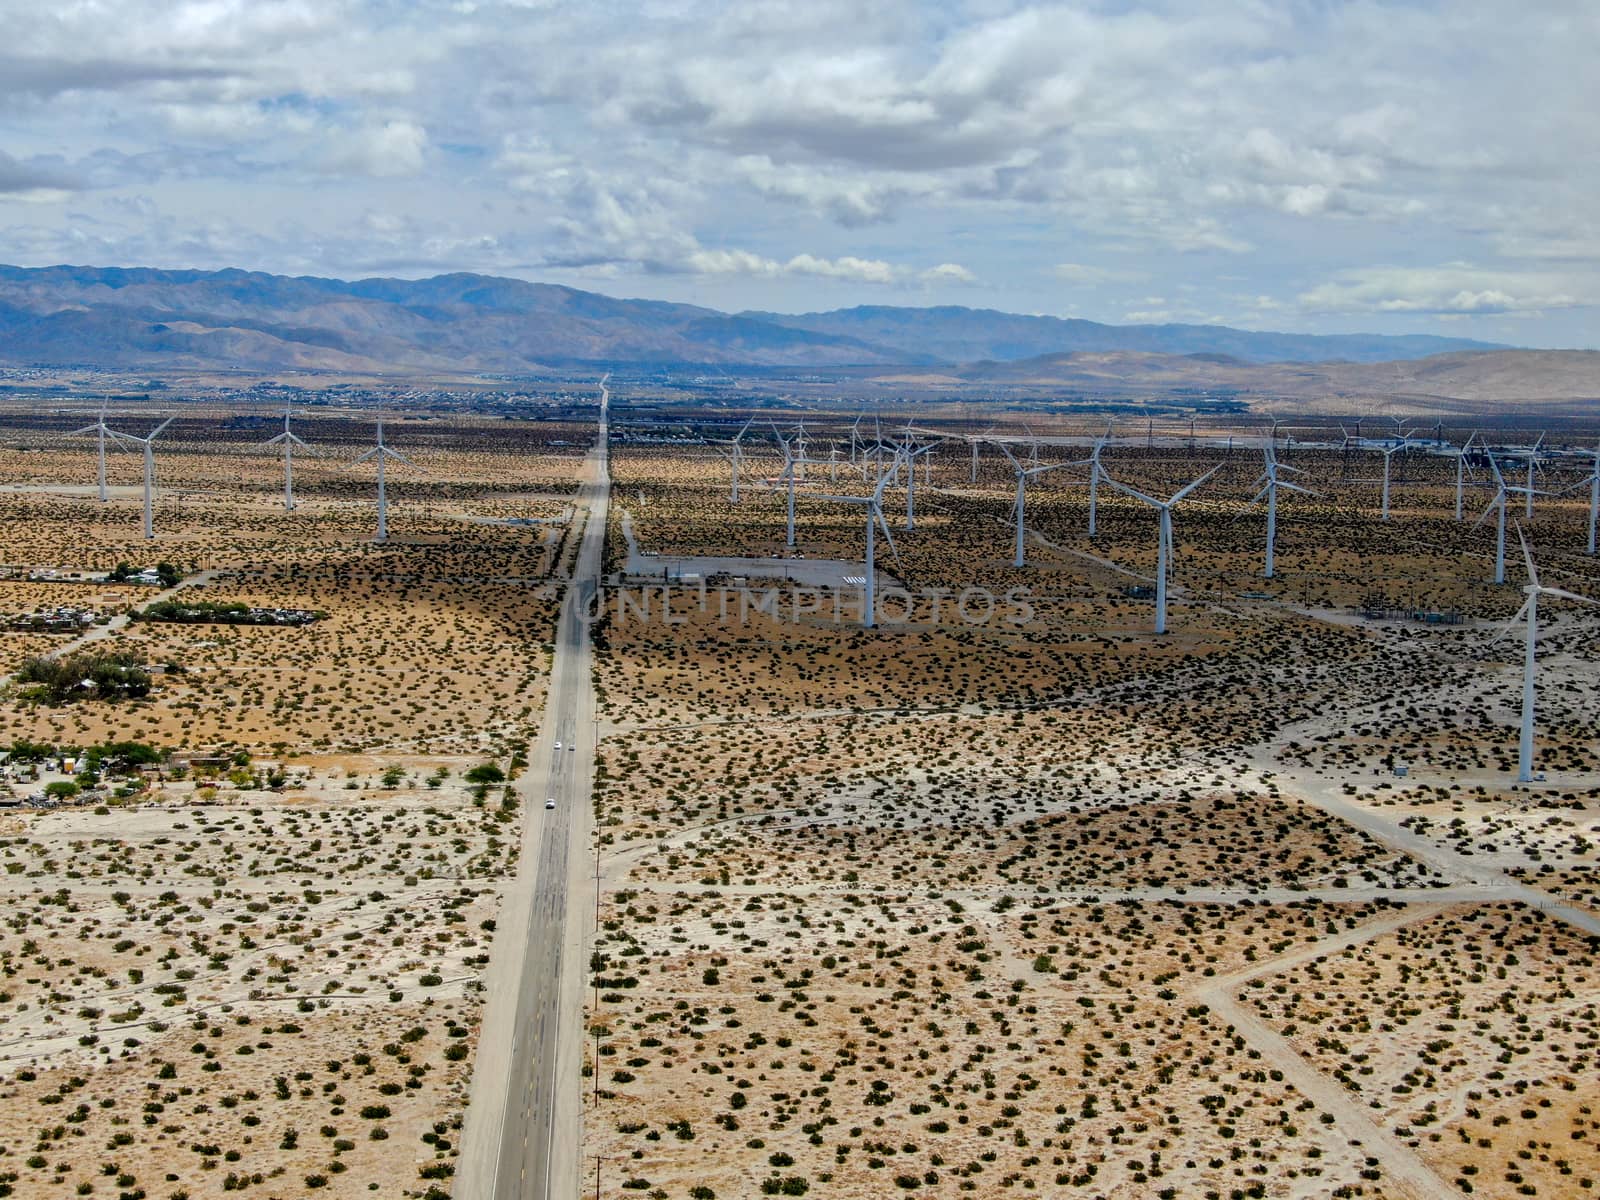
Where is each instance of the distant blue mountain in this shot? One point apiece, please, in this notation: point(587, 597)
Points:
point(142, 317)
point(976, 334)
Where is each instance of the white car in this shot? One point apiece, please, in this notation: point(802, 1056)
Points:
point(572, 748)
point(550, 803)
point(558, 745)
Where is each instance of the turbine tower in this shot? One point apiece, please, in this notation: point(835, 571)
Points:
point(147, 443)
point(1269, 484)
point(1530, 613)
point(380, 454)
point(1018, 506)
point(100, 431)
point(874, 506)
point(289, 442)
point(1164, 547)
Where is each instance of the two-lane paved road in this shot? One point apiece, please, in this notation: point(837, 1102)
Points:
point(523, 1126)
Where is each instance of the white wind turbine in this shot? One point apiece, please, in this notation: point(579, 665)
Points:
point(1461, 470)
point(1096, 474)
point(1388, 453)
point(1530, 612)
point(1269, 484)
point(1531, 454)
point(1025, 475)
point(735, 456)
point(1498, 506)
point(380, 454)
point(907, 453)
point(289, 442)
point(875, 522)
point(147, 444)
point(791, 463)
point(1164, 547)
point(100, 431)
point(1592, 482)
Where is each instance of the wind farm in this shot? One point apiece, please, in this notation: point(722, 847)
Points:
point(1046, 739)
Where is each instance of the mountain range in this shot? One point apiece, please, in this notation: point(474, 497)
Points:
point(145, 318)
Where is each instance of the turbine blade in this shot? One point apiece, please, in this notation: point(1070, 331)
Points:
point(1506, 628)
point(883, 526)
point(1134, 492)
point(1566, 595)
point(1527, 557)
point(156, 432)
point(370, 454)
point(1185, 491)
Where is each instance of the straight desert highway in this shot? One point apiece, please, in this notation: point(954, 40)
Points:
point(523, 1127)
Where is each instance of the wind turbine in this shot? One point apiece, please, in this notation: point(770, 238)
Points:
point(380, 454)
point(1096, 474)
point(790, 463)
point(1497, 505)
point(1270, 483)
point(1164, 547)
point(1593, 483)
point(875, 521)
point(735, 456)
point(1532, 455)
point(908, 454)
point(147, 443)
point(1024, 475)
point(100, 430)
point(290, 441)
point(1530, 612)
point(1461, 468)
point(1388, 453)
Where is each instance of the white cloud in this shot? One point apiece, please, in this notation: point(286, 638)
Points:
point(1082, 273)
point(392, 149)
point(948, 273)
point(743, 262)
point(1268, 142)
point(1454, 289)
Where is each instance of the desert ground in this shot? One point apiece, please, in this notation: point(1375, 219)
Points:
point(996, 898)
point(973, 906)
point(257, 964)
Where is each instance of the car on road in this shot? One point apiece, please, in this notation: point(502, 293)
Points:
point(550, 802)
point(558, 745)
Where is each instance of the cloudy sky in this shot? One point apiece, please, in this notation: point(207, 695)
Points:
point(1406, 166)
